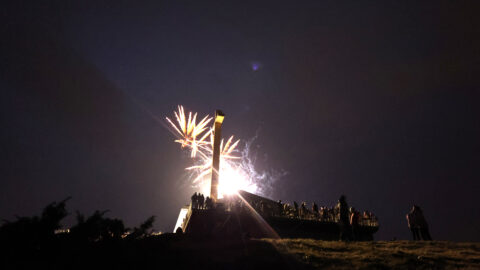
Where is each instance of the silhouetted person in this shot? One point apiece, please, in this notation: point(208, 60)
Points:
point(280, 208)
point(315, 209)
point(286, 209)
point(208, 203)
point(412, 225)
point(421, 223)
point(194, 200)
point(344, 221)
point(295, 206)
point(201, 201)
point(303, 210)
point(354, 222)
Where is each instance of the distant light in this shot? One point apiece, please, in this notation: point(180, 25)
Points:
point(62, 231)
point(256, 65)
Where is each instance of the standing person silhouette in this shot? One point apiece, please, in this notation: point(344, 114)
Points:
point(412, 225)
point(194, 200)
point(295, 205)
point(422, 224)
point(201, 201)
point(344, 221)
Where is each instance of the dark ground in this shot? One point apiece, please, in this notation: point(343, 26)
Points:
point(172, 251)
point(168, 251)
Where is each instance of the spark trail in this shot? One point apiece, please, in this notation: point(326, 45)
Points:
point(236, 167)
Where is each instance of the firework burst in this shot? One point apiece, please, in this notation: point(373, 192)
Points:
point(198, 138)
point(189, 130)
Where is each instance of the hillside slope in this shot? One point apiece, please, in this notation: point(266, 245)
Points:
point(381, 255)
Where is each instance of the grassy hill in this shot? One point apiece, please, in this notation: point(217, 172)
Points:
point(381, 255)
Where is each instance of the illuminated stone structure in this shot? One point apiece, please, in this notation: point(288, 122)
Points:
point(248, 214)
point(217, 138)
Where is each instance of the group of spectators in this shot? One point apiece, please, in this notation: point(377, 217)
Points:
point(280, 209)
point(302, 211)
point(323, 214)
point(201, 202)
point(348, 218)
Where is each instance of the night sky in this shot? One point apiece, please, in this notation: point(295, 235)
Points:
point(377, 100)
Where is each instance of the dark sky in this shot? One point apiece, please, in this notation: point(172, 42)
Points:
point(377, 100)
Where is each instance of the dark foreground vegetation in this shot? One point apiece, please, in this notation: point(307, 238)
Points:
point(98, 242)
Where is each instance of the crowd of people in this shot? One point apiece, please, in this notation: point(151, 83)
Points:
point(326, 214)
point(348, 218)
point(323, 214)
point(302, 211)
point(201, 202)
point(418, 224)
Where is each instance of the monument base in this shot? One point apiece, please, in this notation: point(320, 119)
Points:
point(235, 216)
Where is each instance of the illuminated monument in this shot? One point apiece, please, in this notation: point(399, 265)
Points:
point(217, 137)
point(246, 214)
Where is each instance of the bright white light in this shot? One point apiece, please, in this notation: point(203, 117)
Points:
point(233, 178)
point(181, 217)
point(230, 181)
